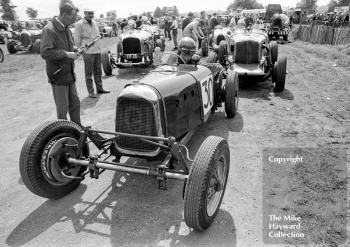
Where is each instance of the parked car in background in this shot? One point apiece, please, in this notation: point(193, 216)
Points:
point(250, 54)
point(134, 48)
point(28, 39)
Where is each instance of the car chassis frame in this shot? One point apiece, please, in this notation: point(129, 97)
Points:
point(175, 150)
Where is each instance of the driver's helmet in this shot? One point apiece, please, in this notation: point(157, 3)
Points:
point(187, 45)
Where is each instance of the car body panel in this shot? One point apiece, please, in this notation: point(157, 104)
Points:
point(181, 97)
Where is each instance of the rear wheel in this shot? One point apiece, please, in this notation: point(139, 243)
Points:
point(43, 159)
point(206, 184)
point(280, 73)
point(274, 51)
point(212, 57)
point(231, 94)
point(106, 62)
point(11, 46)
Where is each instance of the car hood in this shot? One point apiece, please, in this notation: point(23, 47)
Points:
point(255, 35)
point(171, 80)
point(140, 34)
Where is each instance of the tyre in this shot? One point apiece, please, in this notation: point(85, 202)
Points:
point(36, 46)
point(285, 37)
point(222, 52)
point(162, 48)
point(212, 57)
point(11, 46)
point(204, 45)
point(206, 183)
point(231, 94)
point(1, 56)
point(106, 62)
point(280, 73)
point(42, 159)
point(274, 51)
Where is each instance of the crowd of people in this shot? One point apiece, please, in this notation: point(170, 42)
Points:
point(330, 18)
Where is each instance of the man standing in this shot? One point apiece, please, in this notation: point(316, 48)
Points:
point(213, 22)
point(187, 20)
point(85, 31)
point(56, 47)
point(173, 27)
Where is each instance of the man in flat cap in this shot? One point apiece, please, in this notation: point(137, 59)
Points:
point(85, 31)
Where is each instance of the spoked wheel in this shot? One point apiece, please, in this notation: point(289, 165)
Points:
point(231, 94)
point(43, 161)
point(106, 62)
point(1, 56)
point(206, 184)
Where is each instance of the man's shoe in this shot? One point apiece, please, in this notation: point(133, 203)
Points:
point(103, 91)
point(92, 95)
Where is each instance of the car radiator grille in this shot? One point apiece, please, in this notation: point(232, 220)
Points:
point(25, 39)
point(247, 52)
point(131, 46)
point(135, 116)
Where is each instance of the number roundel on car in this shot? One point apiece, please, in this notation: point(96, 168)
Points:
point(207, 90)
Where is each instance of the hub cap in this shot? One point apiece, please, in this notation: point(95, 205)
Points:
point(53, 160)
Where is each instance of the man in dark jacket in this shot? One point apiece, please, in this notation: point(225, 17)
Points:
point(187, 20)
point(57, 49)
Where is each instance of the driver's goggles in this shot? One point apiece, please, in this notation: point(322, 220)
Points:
point(187, 51)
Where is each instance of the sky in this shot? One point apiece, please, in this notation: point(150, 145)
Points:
point(49, 8)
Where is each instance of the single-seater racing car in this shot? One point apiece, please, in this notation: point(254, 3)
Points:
point(155, 117)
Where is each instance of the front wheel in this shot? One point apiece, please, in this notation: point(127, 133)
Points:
point(222, 52)
point(106, 62)
point(280, 73)
point(206, 184)
point(11, 46)
point(231, 94)
point(1, 56)
point(43, 159)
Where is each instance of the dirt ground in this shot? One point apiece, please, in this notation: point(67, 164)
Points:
point(123, 209)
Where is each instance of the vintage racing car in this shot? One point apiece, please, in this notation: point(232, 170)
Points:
point(279, 27)
point(218, 43)
point(135, 48)
point(250, 54)
point(155, 117)
point(26, 40)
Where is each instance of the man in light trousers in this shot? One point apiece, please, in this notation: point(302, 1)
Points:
point(85, 31)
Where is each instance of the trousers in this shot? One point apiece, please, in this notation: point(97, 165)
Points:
point(67, 100)
point(174, 34)
point(92, 64)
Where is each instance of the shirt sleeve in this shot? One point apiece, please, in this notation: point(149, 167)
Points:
point(47, 47)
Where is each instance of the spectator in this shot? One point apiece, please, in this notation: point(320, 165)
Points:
point(174, 27)
point(139, 22)
point(204, 26)
point(194, 31)
point(213, 22)
point(86, 30)
point(187, 20)
point(167, 27)
point(56, 48)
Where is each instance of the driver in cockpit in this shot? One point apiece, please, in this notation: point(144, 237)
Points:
point(187, 51)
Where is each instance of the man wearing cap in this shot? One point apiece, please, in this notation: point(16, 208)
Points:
point(85, 31)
